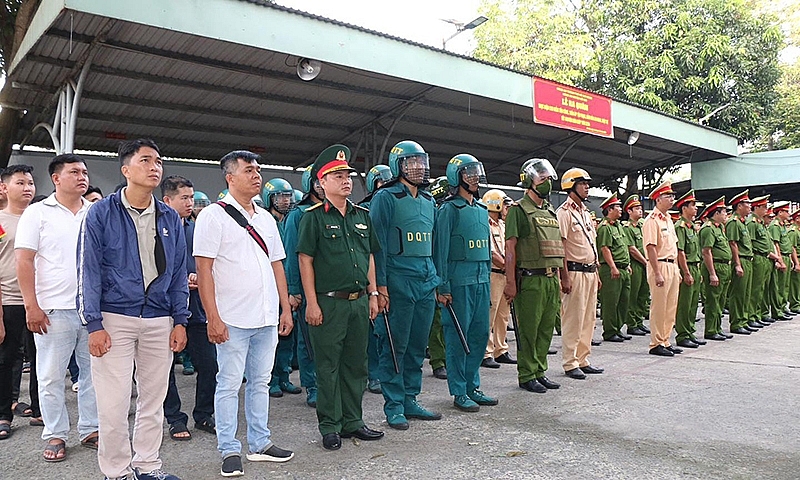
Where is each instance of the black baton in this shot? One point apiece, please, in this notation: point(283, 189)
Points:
point(306, 338)
point(391, 342)
point(458, 329)
point(516, 325)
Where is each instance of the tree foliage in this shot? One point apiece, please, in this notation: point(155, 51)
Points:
point(8, 17)
point(782, 128)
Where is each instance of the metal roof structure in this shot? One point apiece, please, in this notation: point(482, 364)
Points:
point(776, 173)
point(205, 79)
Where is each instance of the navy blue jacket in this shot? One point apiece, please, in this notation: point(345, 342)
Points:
point(110, 269)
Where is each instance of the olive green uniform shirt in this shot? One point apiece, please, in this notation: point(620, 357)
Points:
point(759, 236)
point(688, 240)
point(613, 236)
point(634, 233)
point(340, 246)
point(736, 231)
point(712, 235)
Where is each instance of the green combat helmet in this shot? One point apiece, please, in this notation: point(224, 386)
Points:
point(439, 189)
point(465, 171)
point(378, 173)
point(408, 159)
point(278, 194)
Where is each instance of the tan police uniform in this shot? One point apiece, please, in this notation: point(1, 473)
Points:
point(659, 230)
point(499, 309)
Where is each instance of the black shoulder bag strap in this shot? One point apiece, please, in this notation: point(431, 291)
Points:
point(237, 215)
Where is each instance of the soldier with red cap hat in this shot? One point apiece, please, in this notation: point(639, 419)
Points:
point(794, 281)
point(716, 268)
point(763, 257)
point(661, 245)
point(640, 291)
point(742, 263)
point(615, 271)
point(689, 264)
point(779, 282)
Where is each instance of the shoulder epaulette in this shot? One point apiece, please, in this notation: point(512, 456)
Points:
point(426, 194)
point(312, 207)
point(361, 208)
point(603, 222)
point(481, 204)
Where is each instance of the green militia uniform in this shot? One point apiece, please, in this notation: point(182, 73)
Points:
point(539, 255)
point(372, 344)
point(779, 281)
point(341, 247)
point(712, 236)
point(741, 287)
point(794, 277)
point(616, 292)
point(688, 295)
point(284, 351)
point(762, 267)
point(640, 290)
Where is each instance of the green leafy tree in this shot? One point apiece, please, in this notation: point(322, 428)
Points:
point(782, 129)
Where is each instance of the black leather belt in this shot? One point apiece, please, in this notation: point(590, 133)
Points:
point(581, 267)
point(765, 255)
point(537, 272)
point(622, 266)
point(346, 295)
point(724, 262)
point(667, 260)
point(497, 270)
point(747, 258)
point(694, 264)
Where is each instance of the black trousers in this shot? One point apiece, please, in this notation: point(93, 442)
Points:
point(17, 335)
point(204, 359)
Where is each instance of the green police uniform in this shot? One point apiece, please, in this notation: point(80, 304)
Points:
point(741, 287)
point(615, 294)
point(539, 255)
point(463, 261)
point(779, 281)
point(640, 290)
point(762, 267)
point(688, 295)
point(404, 225)
point(794, 277)
point(713, 236)
point(340, 244)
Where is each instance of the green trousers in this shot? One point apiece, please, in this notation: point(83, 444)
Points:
point(340, 353)
point(715, 296)
point(436, 340)
point(614, 299)
point(761, 269)
point(471, 306)
point(639, 296)
point(308, 370)
point(283, 359)
point(537, 304)
point(794, 291)
point(777, 289)
point(739, 295)
point(688, 296)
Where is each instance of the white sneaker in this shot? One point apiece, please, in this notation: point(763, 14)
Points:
point(75, 387)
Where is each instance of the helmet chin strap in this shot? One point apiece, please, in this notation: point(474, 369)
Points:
point(475, 193)
point(576, 194)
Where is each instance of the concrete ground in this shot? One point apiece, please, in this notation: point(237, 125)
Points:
point(727, 410)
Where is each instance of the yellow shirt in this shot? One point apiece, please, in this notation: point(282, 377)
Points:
point(578, 232)
point(659, 230)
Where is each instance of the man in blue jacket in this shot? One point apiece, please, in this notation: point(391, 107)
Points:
point(132, 297)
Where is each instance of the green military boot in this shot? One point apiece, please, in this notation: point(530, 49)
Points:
point(465, 404)
point(311, 397)
point(275, 391)
point(397, 421)
point(481, 398)
point(289, 387)
point(374, 386)
point(415, 410)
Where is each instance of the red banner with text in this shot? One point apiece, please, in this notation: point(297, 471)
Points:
point(567, 107)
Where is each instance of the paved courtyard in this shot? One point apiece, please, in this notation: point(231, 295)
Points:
point(728, 410)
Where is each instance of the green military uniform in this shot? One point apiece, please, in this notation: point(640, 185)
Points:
point(779, 281)
point(762, 267)
point(713, 236)
point(539, 255)
point(373, 345)
point(794, 277)
point(340, 244)
point(615, 294)
point(688, 295)
point(741, 287)
point(640, 290)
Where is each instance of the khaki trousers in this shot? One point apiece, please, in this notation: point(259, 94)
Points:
point(145, 342)
point(663, 303)
point(578, 313)
point(499, 311)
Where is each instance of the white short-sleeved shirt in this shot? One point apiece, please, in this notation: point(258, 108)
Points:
point(244, 283)
point(51, 230)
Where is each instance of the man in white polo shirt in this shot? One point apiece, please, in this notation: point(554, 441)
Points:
point(242, 287)
point(47, 239)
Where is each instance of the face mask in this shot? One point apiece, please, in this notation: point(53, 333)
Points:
point(544, 189)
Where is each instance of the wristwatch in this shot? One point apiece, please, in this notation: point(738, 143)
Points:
point(374, 293)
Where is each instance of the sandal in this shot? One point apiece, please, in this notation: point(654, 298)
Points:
point(36, 422)
point(5, 430)
point(55, 448)
point(91, 441)
point(22, 409)
point(207, 425)
point(175, 431)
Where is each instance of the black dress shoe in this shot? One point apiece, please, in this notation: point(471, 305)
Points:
point(716, 336)
point(781, 319)
point(686, 343)
point(639, 332)
point(766, 321)
point(597, 343)
point(440, 373)
point(332, 441)
point(489, 363)
point(626, 337)
point(750, 329)
point(592, 370)
point(364, 433)
point(741, 331)
point(674, 350)
point(552, 351)
point(646, 330)
point(505, 358)
point(727, 335)
point(575, 373)
point(755, 324)
point(533, 386)
point(661, 351)
point(614, 338)
point(547, 383)
point(698, 341)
